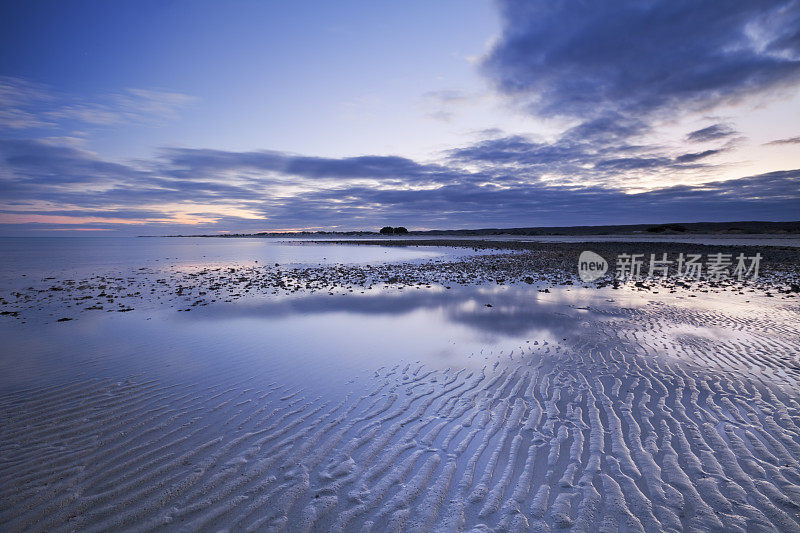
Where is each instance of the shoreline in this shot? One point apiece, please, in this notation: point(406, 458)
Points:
point(546, 265)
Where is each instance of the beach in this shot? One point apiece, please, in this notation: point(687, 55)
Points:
point(395, 385)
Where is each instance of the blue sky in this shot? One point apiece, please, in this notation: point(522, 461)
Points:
point(201, 117)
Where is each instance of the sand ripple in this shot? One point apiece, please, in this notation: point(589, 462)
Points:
point(600, 437)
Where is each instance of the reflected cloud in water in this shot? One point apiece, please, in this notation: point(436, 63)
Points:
point(509, 312)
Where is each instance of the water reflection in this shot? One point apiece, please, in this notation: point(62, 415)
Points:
point(325, 340)
point(300, 337)
point(512, 312)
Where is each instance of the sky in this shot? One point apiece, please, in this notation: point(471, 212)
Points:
point(167, 117)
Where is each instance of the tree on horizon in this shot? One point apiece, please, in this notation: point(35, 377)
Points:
point(388, 230)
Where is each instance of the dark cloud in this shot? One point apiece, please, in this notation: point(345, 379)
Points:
point(633, 163)
point(791, 140)
point(129, 214)
point(696, 156)
point(594, 59)
point(769, 196)
point(578, 153)
point(47, 164)
point(206, 160)
point(711, 133)
point(606, 128)
point(517, 149)
point(358, 167)
point(505, 190)
point(193, 162)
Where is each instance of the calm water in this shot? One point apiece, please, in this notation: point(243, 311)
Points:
point(314, 339)
point(59, 256)
point(311, 339)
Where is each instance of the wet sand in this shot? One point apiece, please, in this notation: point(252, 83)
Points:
point(588, 407)
point(186, 286)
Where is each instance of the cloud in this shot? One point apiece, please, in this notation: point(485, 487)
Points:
point(45, 164)
point(593, 152)
point(791, 140)
point(25, 105)
point(595, 59)
point(195, 191)
point(150, 103)
point(131, 105)
point(183, 162)
point(443, 105)
point(17, 97)
point(770, 196)
point(696, 156)
point(711, 133)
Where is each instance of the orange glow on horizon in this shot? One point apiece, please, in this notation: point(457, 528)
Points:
point(11, 218)
point(75, 229)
